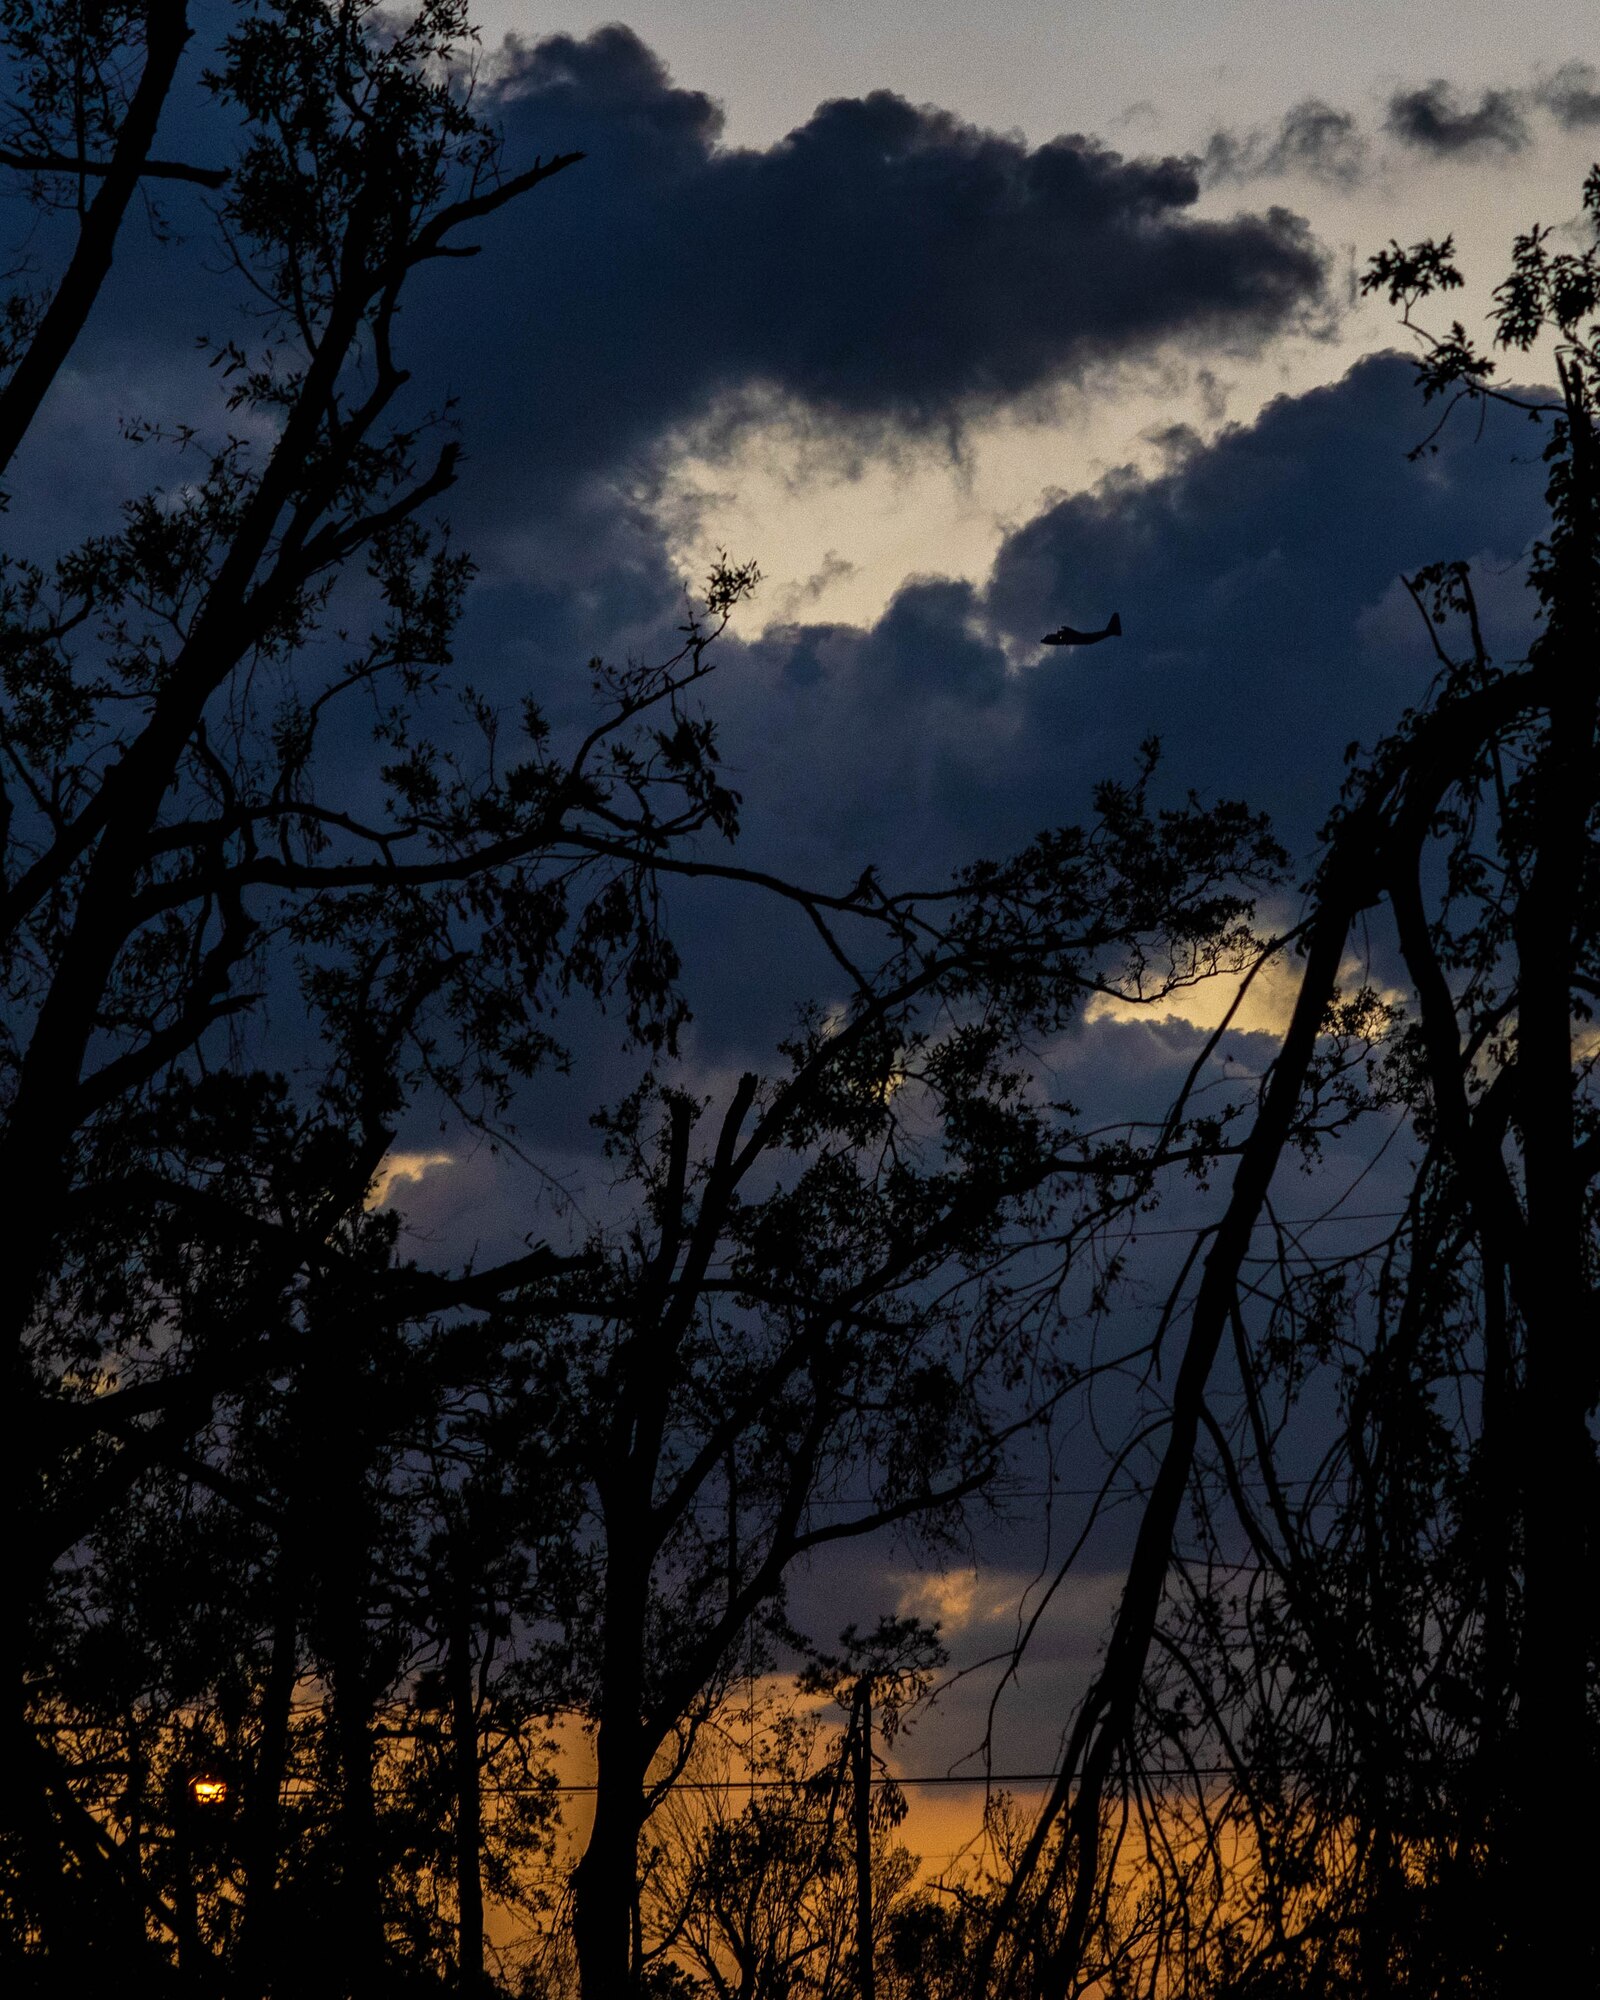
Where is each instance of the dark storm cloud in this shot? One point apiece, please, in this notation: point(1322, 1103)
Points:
point(1313, 139)
point(1257, 578)
point(1265, 629)
point(886, 268)
point(890, 265)
point(885, 264)
point(1433, 119)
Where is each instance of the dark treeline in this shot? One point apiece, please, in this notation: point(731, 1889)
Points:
point(316, 1549)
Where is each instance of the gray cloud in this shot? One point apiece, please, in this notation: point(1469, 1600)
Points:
point(1315, 140)
point(1571, 95)
point(1312, 139)
point(1433, 119)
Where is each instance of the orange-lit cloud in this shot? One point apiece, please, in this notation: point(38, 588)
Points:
point(1265, 1008)
point(403, 1170)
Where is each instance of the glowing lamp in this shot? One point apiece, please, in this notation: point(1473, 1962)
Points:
point(208, 1791)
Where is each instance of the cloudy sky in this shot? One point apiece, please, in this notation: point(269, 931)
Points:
point(962, 322)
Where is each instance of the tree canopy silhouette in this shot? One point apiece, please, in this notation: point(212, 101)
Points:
point(1387, 1659)
point(287, 1511)
point(312, 1544)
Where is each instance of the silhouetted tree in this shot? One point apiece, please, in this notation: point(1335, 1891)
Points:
point(807, 1335)
point(876, 1679)
point(171, 844)
point(1391, 1662)
point(757, 1892)
point(276, 1497)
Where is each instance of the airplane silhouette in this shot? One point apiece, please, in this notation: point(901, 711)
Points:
point(1068, 635)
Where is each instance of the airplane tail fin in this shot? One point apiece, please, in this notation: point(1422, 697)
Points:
point(1114, 629)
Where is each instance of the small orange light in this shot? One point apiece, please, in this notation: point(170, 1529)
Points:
point(208, 1791)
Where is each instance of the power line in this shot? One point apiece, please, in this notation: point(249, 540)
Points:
point(1059, 1493)
point(923, 1778)
point(1280, 1222)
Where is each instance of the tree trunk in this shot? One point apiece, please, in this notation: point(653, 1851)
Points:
point(861, 1754)
point(469, 1802)
point(167, 32)
point(256, 1939)
point(1558, 1304)
point(360, 1928)
point(1557, 1454)
point(1104, 1717)
point(605, 1882)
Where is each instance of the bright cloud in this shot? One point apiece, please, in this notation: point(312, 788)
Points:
point(1265, 1008)
point(403, 1170)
